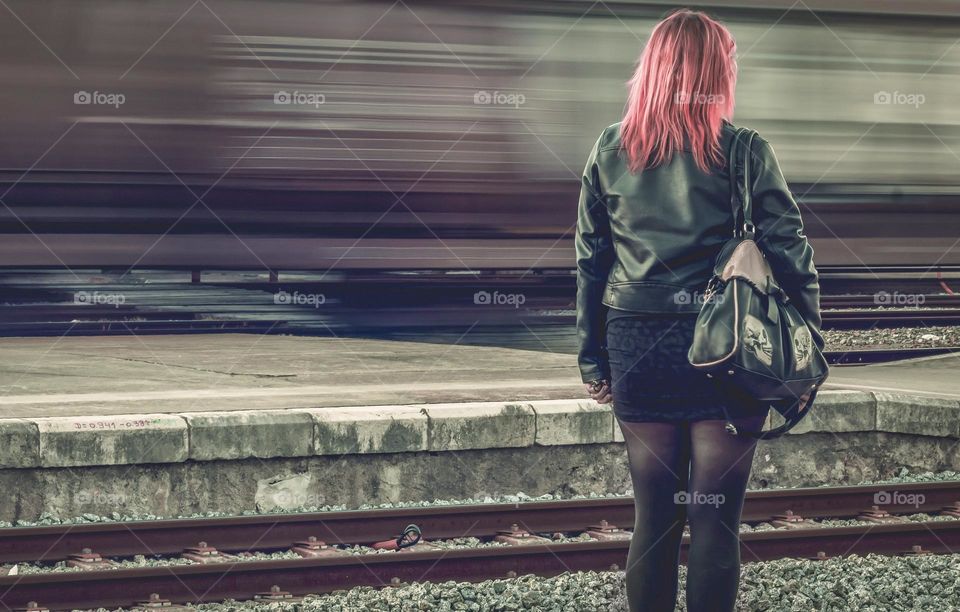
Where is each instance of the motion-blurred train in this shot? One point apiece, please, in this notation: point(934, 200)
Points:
point(309, 135)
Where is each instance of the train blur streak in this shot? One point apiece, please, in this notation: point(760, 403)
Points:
point(368, 135)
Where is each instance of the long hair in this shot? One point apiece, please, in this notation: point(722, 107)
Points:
point(680, 93)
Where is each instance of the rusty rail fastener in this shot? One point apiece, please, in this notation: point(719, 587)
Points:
point(276, 594)
point(952, 510)
point(875, 514)
point(517, 536)
point(311, 548)
point(89, 560)
point(158, 603)
point(606, 532)
point(203, 553)
point(789, 520)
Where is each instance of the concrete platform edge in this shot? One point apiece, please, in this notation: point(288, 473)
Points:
point(245, 434)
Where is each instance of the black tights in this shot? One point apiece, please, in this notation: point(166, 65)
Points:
point(701, 460)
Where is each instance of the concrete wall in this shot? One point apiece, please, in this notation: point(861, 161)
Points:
point(169, 465)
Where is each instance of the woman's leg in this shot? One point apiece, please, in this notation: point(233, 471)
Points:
point(719, 469)
point(659, 463)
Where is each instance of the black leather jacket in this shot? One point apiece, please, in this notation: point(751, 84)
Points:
point(647, 242)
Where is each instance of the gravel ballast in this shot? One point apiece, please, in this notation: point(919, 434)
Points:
point(870, 583)
point(897, 337)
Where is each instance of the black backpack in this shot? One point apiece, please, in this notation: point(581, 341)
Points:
point(749, 336)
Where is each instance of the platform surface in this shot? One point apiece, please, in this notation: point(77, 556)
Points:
point(78, 376)
point(925, 376)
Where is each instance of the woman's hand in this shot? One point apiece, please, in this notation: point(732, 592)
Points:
point(599, 390)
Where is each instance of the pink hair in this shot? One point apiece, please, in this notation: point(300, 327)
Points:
point(680, 93)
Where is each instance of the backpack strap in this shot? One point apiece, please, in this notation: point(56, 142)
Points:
point(741, 200)
point(749, 230)
point(732, 155)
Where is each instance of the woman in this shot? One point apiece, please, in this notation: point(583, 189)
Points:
point(655, 207)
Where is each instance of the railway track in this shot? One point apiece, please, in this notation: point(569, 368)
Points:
point(261, 317)
point(523, 530)
point(51, 302)
point(930, 301)
point(898, 317)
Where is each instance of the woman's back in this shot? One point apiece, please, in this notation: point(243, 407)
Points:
point(647, 240)
point(667, 225)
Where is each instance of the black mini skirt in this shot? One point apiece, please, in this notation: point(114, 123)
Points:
point(652, 380)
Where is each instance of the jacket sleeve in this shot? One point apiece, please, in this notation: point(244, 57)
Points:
point(780, 236)
point(594, 252)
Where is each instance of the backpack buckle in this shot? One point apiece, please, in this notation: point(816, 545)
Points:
point(713, 285)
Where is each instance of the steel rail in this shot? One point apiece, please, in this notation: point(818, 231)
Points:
point(280, 531)
point(216, 582)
